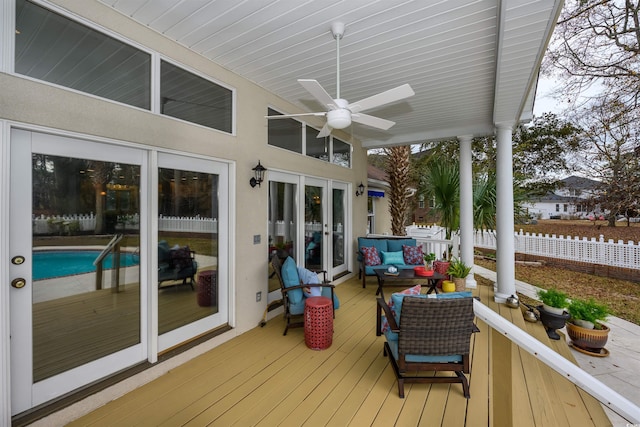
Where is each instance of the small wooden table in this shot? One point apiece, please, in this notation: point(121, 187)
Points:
point(400, 280)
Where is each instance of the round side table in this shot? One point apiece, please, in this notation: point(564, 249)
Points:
point(318, 322)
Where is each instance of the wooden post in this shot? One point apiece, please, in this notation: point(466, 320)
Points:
point(502, 379)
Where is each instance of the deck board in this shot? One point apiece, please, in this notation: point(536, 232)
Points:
point(264, 378)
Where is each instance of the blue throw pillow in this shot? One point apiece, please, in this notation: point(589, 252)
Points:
point(396, 258)
point(290, 278)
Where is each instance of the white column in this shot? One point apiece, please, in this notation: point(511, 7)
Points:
point(466, 207)
point(505, 251)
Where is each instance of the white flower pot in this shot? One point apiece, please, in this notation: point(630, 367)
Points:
point(553, 310)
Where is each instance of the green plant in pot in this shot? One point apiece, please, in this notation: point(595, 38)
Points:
point(553, 300)
point(588, 313)
point(458, 270)
point(587, 333)
point(428, 260)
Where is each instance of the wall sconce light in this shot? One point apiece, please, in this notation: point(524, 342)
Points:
point(258, 173)
point(360, 190)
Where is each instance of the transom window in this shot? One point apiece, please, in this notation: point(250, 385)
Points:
point(301, 138)
point(58, 50)
point(189, 97)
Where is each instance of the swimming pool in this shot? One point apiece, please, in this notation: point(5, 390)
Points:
point(50, 264)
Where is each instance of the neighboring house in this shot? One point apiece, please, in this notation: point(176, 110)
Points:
point(131, 126)
point(574, 198)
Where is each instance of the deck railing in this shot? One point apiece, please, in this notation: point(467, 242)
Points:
point(433, 240)
point(592, 251)
point(606, 395)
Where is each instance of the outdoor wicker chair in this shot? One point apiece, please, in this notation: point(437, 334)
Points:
point(433, 335)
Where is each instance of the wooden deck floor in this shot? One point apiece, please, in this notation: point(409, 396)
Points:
point(263, 378)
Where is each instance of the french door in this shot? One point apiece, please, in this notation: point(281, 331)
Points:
point(308, 220)
point(72, 199)
point(90, 292)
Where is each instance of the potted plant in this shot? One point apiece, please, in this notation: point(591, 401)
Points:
point(428, 260)
point(458, 270)
point(553, 300)
point(585, 327)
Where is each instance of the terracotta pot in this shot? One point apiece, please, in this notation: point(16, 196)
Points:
point(441, 267)
point(591, 340)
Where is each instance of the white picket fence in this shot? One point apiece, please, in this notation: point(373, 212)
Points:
point(64, 224)
point(592, 251)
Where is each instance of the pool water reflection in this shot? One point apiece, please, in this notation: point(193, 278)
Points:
point(51, 264)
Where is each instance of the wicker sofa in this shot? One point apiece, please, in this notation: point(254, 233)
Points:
point(387, 244)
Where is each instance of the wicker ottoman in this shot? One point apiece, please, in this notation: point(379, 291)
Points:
point(318, 322)
point(208, 288)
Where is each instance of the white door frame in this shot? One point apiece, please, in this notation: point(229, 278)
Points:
point(24, 393)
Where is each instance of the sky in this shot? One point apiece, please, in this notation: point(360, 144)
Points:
point(544, 101)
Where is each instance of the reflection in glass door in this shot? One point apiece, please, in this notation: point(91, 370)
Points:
point(282, 224)
point(339, 227)
point(314, 225)
point(192, 237)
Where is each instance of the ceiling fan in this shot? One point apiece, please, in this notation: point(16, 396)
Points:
point(340, 113)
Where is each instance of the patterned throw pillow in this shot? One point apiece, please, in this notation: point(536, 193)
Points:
point(370, 256)
point(412, 255)
point(181, 257)
point(411, 291)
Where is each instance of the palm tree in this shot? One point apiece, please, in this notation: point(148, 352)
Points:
point(441, 182)
point(398, 171)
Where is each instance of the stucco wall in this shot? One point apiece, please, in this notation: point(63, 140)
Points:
point(30, 102)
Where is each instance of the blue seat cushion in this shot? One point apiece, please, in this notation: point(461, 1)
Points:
point(290, 278)
point(449, 358)
point(395, 245)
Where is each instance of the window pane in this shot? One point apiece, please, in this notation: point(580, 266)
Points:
point(85, 305)
point(341, 153)
point(285, 133)
point(187, 247)
point(55, 49)
point(282, 224)
point(317, 147)
point(189, 97)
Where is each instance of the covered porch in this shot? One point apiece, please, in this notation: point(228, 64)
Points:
point(264, 378)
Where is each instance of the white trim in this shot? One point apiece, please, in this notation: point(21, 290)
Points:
point(5, 347)
point(7, 35)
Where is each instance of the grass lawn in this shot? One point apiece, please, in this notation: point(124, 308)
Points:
point(621, 296)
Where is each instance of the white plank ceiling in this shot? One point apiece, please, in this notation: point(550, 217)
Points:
point(472, 64)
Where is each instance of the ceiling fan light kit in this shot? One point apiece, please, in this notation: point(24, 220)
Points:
point(339, 112)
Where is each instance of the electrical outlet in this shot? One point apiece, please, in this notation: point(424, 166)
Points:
point(258, 296)
point(256, 239)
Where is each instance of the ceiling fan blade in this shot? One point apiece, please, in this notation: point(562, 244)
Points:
point(325, 131)
point(286, 116)
point(372, 121)
point(318, 92)
point(387, 97)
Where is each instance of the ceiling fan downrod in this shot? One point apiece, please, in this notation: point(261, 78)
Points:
point(337, 29)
